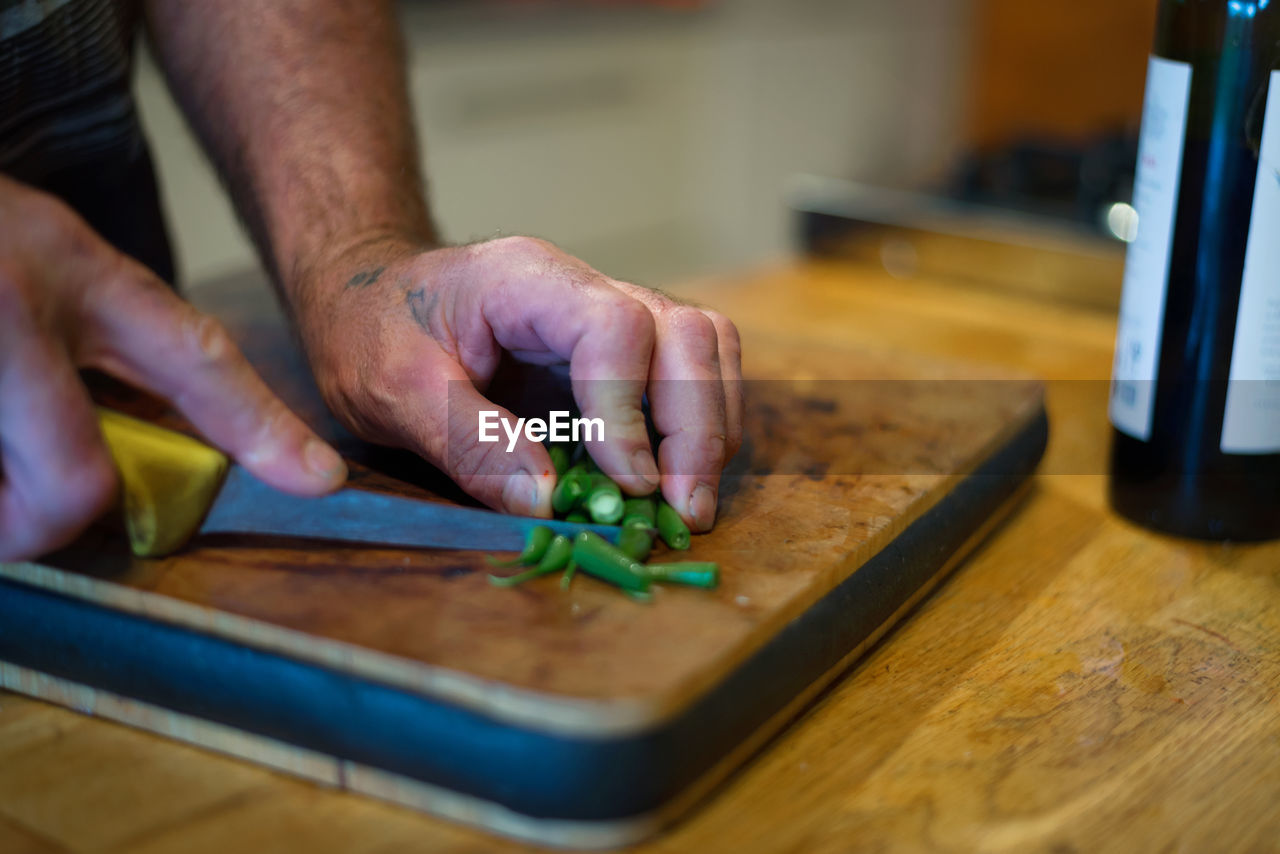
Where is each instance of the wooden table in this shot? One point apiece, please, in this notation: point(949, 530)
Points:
point(1078, 685)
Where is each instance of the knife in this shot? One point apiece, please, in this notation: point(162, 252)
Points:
point(176, 487)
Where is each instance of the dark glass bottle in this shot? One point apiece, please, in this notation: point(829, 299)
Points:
point(1195, 399)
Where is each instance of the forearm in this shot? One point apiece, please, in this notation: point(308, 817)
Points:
point(303, 107)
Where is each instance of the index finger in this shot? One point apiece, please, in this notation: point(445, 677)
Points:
point(607, 338)
point(137, 329)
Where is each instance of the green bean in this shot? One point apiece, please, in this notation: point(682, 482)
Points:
point(639, 512)
point(672, 528)
point(569, 572)
point(535, 546)
point(571, 488)
point(578, 517)
point(692, 573)
point(596, 557)
point(604, 500)
point(553, 559)
point(559, 458)
point(636, 542)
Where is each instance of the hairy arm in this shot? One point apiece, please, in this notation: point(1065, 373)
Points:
point(302, 105)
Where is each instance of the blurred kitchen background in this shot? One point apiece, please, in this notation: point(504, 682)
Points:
point(665, 140)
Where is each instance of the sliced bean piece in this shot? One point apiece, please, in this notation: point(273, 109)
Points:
point(554, 559)
point(636, 543)
point(559, 458)
point(536, 543)
point(596, 557)
point(672, 528)
point(640, 512)
point(570, 489)
point(569, 572)
point(693, 573)
point(604, 501)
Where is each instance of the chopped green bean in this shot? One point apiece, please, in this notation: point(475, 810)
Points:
point(578, 518)
point(571, 489)
point(692, 573)
point(536, 543)
point(515, 580)
point(554, 559)
point(672, 528)
point(604, 500)
point(559, 458)
point(558, 554)
point(569, 572)
point(640, 512)
point(636, 542)
point(596, 557)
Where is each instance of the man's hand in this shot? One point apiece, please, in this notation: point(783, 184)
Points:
point(68, 300)
point(402, 342)
point(304, 108)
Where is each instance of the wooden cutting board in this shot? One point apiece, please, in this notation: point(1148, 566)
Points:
point(576, 718)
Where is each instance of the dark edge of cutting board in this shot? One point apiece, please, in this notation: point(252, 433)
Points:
point(536, 774)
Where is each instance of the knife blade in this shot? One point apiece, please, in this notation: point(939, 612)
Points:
point(175, 487)
point(246, 505)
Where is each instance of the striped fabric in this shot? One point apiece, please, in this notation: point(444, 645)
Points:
point(65, 100)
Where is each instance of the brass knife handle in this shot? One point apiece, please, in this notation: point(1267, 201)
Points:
point(168, 481)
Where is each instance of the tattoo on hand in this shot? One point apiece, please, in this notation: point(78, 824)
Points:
point(421, 307)
point(365, 278)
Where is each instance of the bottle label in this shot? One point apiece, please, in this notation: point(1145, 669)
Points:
point(1251, 422)
point(1146, 268)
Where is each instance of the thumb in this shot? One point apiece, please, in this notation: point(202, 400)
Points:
point(489, 454)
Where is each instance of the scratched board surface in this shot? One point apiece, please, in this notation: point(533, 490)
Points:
point(835, 467)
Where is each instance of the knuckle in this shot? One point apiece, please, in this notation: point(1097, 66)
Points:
point(725, 327)
point(689, 322)
point(208, 341)
point(623, 315)
point(340, 385)
point(630, 422)
point(521, 244)
point(387, 381)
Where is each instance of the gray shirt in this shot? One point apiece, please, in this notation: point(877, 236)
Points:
point(65, 100)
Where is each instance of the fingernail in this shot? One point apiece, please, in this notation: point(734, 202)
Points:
point(702, 506)
point(645, 468)
point(520, 495)
point(323, 460)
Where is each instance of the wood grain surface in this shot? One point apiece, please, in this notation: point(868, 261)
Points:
point(1079, 685)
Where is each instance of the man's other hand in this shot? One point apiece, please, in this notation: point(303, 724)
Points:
point(68, 300)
